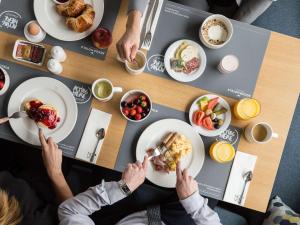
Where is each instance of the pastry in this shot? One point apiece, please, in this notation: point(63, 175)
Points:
point(44, 115)
point(73, 9)
point(82, 22)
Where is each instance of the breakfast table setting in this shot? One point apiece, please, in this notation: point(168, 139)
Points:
point(214, 93)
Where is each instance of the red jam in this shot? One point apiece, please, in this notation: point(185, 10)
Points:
point(46, 116)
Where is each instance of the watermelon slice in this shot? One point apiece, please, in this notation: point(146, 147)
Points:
point(212, 103)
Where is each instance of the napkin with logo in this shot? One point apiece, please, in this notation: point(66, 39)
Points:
point(148, 23)
point(88, 143)
point(243, 163)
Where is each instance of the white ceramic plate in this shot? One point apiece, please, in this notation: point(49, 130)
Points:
point(182, 77)
point(55, 24)
point(226, 117)
point(152, 136)
point(52, 92)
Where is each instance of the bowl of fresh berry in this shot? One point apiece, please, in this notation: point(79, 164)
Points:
point(4, 81)
point(135, 105)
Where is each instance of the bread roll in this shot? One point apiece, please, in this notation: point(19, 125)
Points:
point(72, 9)
point(82, 22)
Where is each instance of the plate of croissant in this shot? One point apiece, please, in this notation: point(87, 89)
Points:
point(72, 21)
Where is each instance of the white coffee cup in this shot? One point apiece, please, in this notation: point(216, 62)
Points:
point(250, 133)
point(113, 90)
point(127, 64)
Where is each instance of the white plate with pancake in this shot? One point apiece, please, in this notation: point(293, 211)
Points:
point(151, 137)
point(51, 92)
point(55, 24)
point(180, 76)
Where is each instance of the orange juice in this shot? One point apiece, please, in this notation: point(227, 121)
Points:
point(222, 152)
point(246, 109)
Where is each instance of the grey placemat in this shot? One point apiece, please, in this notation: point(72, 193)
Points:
point(81, 92)
point(14, 14)
point(210, 186)
point(248, 43)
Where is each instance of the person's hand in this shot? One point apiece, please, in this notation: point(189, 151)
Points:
point(185, 185)
point(135, 173)
point(128, 45)
point(52, 156)
point(3, 120)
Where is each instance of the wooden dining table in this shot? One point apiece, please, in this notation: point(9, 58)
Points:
point(277, 90)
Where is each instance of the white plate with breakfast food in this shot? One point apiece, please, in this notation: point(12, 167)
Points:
point(216, 31)
point(185, 60)
point(187, 147)
point(49, 104)
point(210, 115)
point(72, 21)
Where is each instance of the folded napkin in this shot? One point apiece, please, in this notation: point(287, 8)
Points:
point(243, 163)
point(97, 120)
point(146, 20)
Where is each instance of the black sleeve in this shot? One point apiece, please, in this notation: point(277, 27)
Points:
point(34, 210)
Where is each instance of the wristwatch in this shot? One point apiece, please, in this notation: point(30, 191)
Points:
point(124, 188)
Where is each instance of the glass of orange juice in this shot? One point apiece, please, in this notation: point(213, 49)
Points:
point(246, 109)
point(222, 152)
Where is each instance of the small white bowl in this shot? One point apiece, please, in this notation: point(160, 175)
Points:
point(60, 3)
point(228, 25)
point(6, 82)
point(133, 93)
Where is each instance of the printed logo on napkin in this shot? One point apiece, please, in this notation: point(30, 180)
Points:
point(9, 19)
point(231, 135)
point(82, 94)
point(156, 63)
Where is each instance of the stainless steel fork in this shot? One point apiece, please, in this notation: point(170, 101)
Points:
point(15, 115)
point(148, 36)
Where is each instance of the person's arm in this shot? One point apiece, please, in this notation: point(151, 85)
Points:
point(129, 43)
point(52, 157)
point(76, 210)
point(192, 201)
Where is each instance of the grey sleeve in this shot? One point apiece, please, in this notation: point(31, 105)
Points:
point(250, 10)
point(139, 5)
point(197, 207)
point(76, 210)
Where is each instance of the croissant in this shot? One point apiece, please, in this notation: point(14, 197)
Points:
point(82, 22)
point(73, 9)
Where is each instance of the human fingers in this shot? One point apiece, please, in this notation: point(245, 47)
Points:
point(185, 174)
point(178, 171)
point(133, 52)
point(42, 138)
point(126, 50)
point(145, 162)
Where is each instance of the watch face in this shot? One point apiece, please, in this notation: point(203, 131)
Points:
point(124, 187)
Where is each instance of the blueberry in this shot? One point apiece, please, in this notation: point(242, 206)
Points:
point(144, 114)
point(215, 120)
point(137, 101)
point(124, 104)
point(147, 110)
point(130, 104)
point(216, 126)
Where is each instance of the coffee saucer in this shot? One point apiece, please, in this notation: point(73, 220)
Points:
point(38, 38)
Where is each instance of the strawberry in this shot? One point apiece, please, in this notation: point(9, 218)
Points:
point(1, 84)
point(139, 109)
point(138, 116)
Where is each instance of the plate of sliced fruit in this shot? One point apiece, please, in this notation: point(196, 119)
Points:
point(210, 115)
point(185, 60)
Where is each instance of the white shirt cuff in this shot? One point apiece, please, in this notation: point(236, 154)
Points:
point(193, 202)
